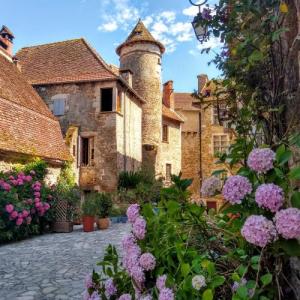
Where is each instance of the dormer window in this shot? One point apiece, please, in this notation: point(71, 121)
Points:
point(59, 107)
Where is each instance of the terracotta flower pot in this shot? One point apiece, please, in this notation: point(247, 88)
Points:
point(88, 223)
point(103, 223)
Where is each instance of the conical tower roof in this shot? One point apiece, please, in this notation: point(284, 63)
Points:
point(140, 34)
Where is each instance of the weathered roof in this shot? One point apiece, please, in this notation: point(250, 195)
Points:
point(140, 34)
point(184, 101)
point(62, 62)
point(66, 62)
point(5, 29)
point(171, 114)
point(26, 124)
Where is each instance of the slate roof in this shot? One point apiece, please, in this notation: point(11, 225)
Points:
point(26, 124)
point(184, 101)
point(171, 114)
point(140, 34)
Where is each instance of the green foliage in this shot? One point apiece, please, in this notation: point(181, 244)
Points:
point(38, 166)
point(131, 179)
point(88, 207)
point(103, 204)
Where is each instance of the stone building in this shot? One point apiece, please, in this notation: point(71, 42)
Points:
point(28, 129)
point(112, 118)
point(202, 137)
point(161, 125)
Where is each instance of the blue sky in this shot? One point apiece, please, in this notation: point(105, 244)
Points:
point(107, 23)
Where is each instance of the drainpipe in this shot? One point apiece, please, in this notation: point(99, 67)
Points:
point(200, 150)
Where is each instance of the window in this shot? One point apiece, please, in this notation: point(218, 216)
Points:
point(222, 113)
point(87, 151)
point(59, 107)
point(165, 133)
point(119, 101)
point(220, 143)
point(168, 172)
point(107, 99)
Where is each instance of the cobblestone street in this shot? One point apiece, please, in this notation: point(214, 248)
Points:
point(53, 266)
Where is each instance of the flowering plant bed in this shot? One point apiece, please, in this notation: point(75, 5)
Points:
point(25, 204)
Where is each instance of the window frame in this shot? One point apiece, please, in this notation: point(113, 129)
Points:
point(220, 146)
point(215, 119)
point(165, 138)
point(112, 99)
point(168, 176)
point(87, 151)
point(63, 109)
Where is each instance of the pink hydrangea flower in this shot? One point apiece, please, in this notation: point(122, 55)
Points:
point(166, 294)
point(259, 231)
point(32, 172)
point(14, 214)
point(9, 208)
point(88, 281)
point(46, 206)
point(28, 178)
point(161, 282)
point(261, 160)
point(287, 222)
point(139, 228)
point(37, 194)
point(125, 297)
point(110, 288)
point(28, 220)
point(25, 213)
point(37, 204)
point(210, 186)
point(269, 196)
point(147, 261)
point(236, 188)
point(19, 221)
point(33, 211)
point(133, 212)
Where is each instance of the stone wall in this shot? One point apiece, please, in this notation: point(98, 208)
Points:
point(82, 110)
point(170, 152)
point(144, 60)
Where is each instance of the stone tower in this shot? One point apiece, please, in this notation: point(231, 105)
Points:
point(141, 54)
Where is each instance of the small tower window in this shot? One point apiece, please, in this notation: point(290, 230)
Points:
point(107, 99)
point(165, 133)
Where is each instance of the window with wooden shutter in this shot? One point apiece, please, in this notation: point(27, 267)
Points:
point(59, 107)
point(168, 172)
point(165, 133)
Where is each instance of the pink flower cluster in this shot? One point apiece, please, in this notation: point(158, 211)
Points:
point(259, 231)
point(125, 297)
point(4, 185)
point(110, 288)
point(20, 179)
point(236, 188)
point(210, 186)
point(147, 261)
point(269, 196)
point(164, 292)
point(287, 222)
point(261, 160)
point(18, 217)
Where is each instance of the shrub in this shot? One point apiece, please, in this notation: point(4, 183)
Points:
point(88, 206)
point(103, 204)
point(25, 204)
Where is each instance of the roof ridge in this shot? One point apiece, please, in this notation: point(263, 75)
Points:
point(52, 43)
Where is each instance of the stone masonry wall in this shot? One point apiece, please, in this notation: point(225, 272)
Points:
point(144, 60)
point(171, 150)
point(82, 109)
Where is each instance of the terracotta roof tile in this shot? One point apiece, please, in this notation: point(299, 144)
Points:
point(171, 114)
point(184, 101)
point(60, 62)
point(140, 34)
point(26, 124)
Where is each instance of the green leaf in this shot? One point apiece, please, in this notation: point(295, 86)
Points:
point(209, 266)
point(255, 259)
point(185, 269)
point(295, 200)
point(173, 206)
point(295, 173)
point(217, 281)
point(207, 295)
point(242, 291)
point(242, 270)
point(266, 279)
point(255, 56)
point(291, 247)
point(283, 155)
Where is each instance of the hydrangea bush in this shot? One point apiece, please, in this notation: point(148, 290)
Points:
point(176, 251)
point(25, 204)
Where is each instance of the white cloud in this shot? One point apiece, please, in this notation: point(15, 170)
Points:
point(166, 26)
point(191, 11)
point(108, 27)
point(212, 43)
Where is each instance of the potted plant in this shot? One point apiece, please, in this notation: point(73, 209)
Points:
point(103, 209)
point(88, 213)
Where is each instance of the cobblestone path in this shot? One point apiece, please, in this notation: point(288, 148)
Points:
point(53, 266)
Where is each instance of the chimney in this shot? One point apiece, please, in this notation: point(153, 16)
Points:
point(168, 94)
point(6, 41)
point(202, 80)
point(127, 75)
point(16, 63)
